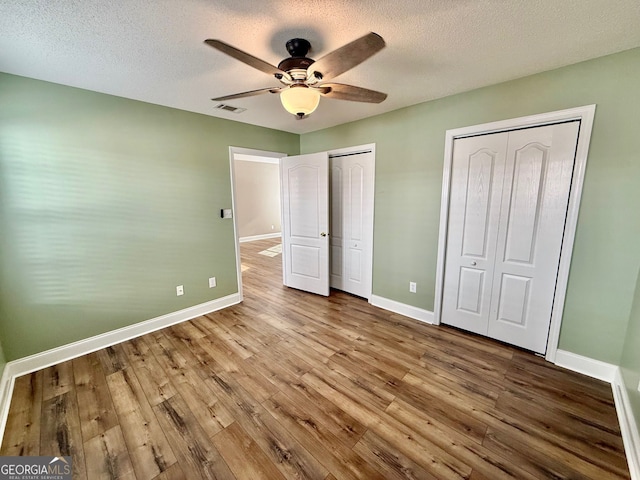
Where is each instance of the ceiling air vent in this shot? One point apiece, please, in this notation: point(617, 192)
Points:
point(229, 108)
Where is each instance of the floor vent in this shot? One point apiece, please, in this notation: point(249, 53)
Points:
point(229, 108)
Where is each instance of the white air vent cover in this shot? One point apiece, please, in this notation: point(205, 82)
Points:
point(229, 108)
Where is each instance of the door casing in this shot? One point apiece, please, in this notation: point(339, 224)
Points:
point(585, 115)
point(263, 153)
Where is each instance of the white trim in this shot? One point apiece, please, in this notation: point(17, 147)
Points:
point(402, 308)
point(628, 426)
point(6, 391)
point(244, 153)
point(243, 157)
point(586, 366)
point(353, 150)
point(264, 236)
point(585, 115)
point(32, 363)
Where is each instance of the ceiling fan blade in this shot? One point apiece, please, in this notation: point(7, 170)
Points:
point(341, 91)
point(346, 57)
point(245, 57)
point(250, 93)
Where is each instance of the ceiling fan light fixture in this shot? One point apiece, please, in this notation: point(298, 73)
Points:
point(300, 100)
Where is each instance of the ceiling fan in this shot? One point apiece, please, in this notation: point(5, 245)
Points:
point(303, 78)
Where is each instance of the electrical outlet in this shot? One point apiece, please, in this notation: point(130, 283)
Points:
point(180, 290)
point(639, 386)
point(412, 287)
point(212, 282)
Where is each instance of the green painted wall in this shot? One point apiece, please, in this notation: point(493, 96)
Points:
point(106, 204)
point(409, 158)
point(630, 364)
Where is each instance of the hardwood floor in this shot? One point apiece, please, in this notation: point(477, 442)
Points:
point(292, 385)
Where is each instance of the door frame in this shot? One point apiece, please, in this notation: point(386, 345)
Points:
point(585, 115)
point(232, 153)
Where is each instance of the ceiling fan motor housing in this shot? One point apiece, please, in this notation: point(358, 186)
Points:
point(298, 49)
point(295, 63)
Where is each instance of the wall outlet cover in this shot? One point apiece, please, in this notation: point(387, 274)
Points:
point(212, 282)
point(412, 287)
point(179, 290)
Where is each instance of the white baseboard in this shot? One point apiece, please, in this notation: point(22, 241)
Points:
point(628, 426)
point(402, 308)
point(32, 363)
point(253, 238)
point(585, 365)
point(6, 390)
point(610, 374)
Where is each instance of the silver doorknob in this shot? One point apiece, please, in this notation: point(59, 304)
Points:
point(323, 234)
point(473, 264)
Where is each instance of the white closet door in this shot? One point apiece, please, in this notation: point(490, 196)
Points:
point(352, 185)
point(508, 205)
point(304, 181)
point(474, 209)
point(534, 206)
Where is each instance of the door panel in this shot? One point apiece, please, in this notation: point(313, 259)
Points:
point(470, 290)
point(513, 299)
point(355, 265)
point(304, 182)
point(477, 202)
point(529, 166)
point(337, 213)
point(535, 198)
point(474, 209)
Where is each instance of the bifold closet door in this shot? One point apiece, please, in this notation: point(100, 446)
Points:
point(352, 190)
point(508, 206)
point(474, 209)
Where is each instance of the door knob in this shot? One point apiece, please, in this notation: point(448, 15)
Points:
point(473, 264)
point(323, 234)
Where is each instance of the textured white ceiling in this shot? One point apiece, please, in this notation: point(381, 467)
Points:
point(153, 50)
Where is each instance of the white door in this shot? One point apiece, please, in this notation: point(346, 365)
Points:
point(476, 192)
point(502, 259)
point(304, 180)
point(352, 190)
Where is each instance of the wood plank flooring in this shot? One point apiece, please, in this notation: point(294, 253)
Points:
point(290, 385)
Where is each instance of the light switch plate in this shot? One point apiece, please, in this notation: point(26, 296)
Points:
point(180, 290)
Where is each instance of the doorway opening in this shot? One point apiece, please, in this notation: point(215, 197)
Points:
point(255, 187)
